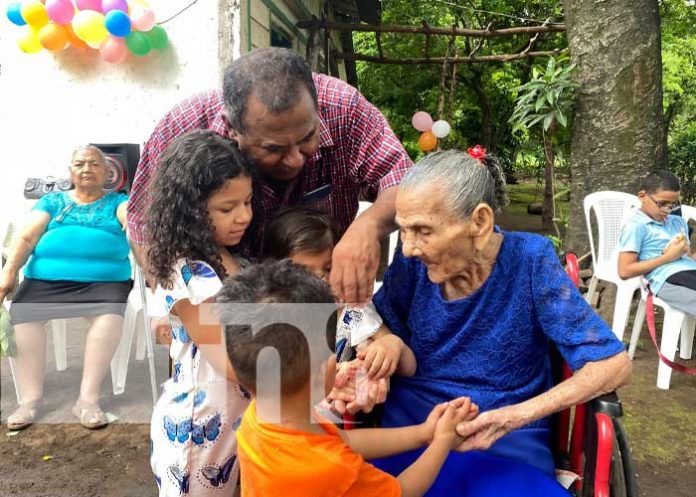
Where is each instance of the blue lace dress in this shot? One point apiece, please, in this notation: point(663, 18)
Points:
point(492, 346)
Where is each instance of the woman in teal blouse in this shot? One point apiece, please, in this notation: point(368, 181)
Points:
point(77, 266)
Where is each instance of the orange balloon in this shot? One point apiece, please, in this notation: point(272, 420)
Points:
point(427, 141)
point(73, 39)
point(53, 37)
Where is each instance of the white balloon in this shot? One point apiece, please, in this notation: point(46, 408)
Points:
point(441, 129)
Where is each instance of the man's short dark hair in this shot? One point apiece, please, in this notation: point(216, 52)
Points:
point(275, 76)
point(660, 180)
point(279, 282)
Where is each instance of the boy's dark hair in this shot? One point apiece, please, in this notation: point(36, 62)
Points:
point(660, 180)
point(300, 229)
point(273, 282)
point(192, 168)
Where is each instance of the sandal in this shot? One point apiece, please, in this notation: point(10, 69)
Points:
point(25, 415)
point(90, 415)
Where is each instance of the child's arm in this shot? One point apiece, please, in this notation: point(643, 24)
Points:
point(419, 476)
point(388, 354)
point(373, 443)
point(630, 266)
point(207, 337)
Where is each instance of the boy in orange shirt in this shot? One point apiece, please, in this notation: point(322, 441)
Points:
point(303, 456)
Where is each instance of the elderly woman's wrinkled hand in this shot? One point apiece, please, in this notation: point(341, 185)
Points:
point(353, 391)
point(481, 433)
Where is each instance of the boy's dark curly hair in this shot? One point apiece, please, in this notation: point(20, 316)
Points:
point(192, 168)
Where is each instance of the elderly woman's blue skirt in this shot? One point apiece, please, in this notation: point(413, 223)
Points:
point(498, 472)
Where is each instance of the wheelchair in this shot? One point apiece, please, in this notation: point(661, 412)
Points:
point(595, 446)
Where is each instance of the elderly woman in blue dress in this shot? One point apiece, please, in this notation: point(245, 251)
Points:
point(479, 306)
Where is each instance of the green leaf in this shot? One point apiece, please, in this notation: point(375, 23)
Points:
point(548, 119)
point(561, 118)
point(540, 102)
point(550, 97)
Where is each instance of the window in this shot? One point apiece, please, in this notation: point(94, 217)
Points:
point(280, 37)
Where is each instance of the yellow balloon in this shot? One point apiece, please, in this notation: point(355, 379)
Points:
point(29, 41)
point(89, 26)
point(34, 12)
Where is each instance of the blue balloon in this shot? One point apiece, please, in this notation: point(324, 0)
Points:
point(14, 14)
point(117, 23)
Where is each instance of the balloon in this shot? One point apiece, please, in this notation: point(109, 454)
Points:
point(143, 19)
point(53, 37)
point(158, 38)
point(422, 121)
point(89, 26)
point(109, 5)
point(441, 129)
point(94, 5)
point(29, 41)
point(34, 13)
point(113, 50)
point(138, 43)
point(427, 141)
point(60, 11)
point(14, 14)
point(75, 42)
point(117, 23)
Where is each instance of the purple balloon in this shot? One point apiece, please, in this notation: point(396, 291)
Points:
point(109, 5)
point(89, 5)
point(60, 11)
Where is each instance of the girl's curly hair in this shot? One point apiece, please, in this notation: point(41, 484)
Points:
point(192, 168)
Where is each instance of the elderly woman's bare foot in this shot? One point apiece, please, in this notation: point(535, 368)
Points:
point(25, 415)
point(90, 415)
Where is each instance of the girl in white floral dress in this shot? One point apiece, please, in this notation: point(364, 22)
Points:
point(200, 208)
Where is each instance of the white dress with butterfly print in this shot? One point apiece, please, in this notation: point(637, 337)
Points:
point(193, 429)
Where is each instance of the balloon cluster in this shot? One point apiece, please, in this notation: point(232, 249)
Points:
point(114, 27)
point(431, 131)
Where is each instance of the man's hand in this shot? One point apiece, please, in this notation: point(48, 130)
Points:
point(487, 428)
point(382, 356)
point(355, 261)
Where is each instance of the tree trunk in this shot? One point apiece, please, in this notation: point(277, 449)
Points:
point(618, 133)
point(548, 211)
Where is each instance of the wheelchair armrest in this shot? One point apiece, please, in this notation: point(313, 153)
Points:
point(608, 404)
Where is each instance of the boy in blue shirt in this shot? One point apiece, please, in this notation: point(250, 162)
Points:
point(655, 242)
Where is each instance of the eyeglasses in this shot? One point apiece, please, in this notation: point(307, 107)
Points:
point(665, 205)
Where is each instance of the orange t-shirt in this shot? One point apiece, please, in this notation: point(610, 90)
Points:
point(278, 461)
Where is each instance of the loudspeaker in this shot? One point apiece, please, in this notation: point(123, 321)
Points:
point(122, 161)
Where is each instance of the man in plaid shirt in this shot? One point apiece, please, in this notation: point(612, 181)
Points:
point(315, 141)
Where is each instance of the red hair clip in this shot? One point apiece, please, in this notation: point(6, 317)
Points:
point(477, 152)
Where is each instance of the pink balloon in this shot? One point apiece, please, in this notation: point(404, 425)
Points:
point(89, 5)
point(142, 19)
point(422, 121)
point(60, 11)
point(113, 50)
point(109, 5)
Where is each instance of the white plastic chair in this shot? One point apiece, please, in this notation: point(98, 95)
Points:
point(136, 319)
point(675, 324)
point(611, 210)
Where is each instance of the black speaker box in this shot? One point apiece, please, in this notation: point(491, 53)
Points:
point(123, 161)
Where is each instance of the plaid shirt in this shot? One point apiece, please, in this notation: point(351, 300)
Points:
point(358, 156)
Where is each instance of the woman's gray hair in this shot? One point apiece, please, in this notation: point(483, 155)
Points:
point(93, 148)
point(466, 181)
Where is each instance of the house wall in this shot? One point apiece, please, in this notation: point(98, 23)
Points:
point(49, 103)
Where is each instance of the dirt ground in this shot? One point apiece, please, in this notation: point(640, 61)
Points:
point(114, 462)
